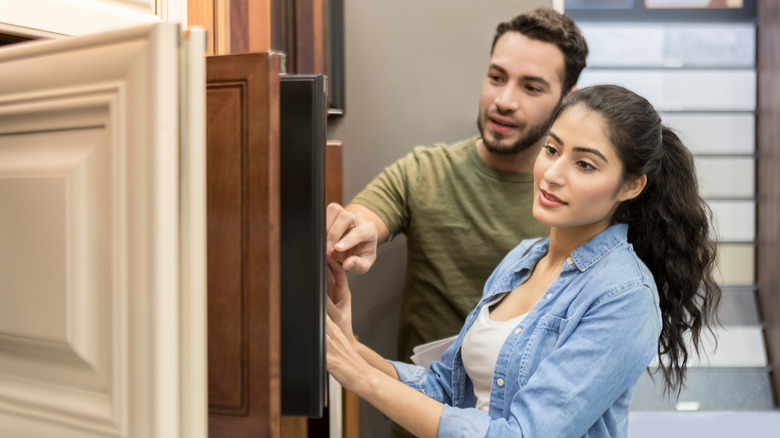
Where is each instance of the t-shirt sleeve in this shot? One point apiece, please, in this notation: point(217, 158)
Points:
point(388, 194)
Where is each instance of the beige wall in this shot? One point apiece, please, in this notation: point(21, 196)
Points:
point(413, 75)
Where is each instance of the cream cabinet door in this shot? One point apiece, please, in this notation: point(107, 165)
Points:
point(55, 18)
point(102, 247)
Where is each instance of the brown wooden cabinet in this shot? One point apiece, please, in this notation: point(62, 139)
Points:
point(243, 204)
point(242, 141)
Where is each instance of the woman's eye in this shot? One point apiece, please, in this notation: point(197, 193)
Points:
point(550, 149)
point(584, 165)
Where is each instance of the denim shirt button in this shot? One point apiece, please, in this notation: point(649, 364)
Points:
point(518, 331)
point(569, 261)
point(548, 296)
point(500, 381)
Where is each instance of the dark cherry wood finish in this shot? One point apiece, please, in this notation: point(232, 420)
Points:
point(242, 129)
point(768, 130)
point(335, 170)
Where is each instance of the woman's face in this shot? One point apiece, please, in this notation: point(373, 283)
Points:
point(577, 174)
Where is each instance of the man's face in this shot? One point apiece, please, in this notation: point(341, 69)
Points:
point(521, 91)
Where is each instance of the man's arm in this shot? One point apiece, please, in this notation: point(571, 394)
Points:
point(353, 235)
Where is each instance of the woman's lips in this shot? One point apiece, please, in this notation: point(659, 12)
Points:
point(549, 200)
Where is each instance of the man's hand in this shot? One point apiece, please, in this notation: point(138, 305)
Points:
point(352, 239)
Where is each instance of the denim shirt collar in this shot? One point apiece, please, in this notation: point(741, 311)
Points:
point(584, 256)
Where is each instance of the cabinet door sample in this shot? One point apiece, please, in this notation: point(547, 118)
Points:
point(242, 138)
point(102, 316)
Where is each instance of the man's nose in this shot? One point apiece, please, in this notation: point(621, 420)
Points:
point(507, 100)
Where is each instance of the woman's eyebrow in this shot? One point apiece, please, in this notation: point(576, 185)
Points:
point(592, 151)
point(579, 148)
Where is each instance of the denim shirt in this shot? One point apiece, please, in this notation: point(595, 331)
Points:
point(569, 368)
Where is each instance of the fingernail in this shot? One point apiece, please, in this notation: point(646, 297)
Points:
point(341, 245)
point(329, 247)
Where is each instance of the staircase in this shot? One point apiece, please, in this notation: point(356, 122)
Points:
point(701, 76)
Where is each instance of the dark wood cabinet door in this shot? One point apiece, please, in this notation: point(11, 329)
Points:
point(242, 142)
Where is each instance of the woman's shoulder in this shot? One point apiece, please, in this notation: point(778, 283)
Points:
point(621, 272)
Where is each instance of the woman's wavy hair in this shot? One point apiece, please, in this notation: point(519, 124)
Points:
point(669, 224)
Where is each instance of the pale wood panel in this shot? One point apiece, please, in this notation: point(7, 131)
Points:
point(684, 90)
point(193, 232)
point(55, 18)
point(735, 221)
point(96, 150)
point(235, 26)
point(715, 133)
point(726, 177)
point(202, 13)
point(736, 264)
point(664, 45)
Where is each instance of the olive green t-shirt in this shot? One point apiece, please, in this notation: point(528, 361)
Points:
point(460, 216)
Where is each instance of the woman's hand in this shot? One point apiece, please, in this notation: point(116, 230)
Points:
point(344, 362)
point(340, 299)
point(411, 409)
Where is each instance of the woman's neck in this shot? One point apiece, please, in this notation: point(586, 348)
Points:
point(563, 241)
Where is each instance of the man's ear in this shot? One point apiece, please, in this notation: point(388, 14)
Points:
point(632, 189)
point(574, 88)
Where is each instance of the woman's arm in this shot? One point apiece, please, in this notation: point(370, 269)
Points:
point(340, 311)
point(416, 412)
point(367, 374)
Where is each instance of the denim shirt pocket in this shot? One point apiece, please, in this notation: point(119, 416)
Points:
point(541, 343)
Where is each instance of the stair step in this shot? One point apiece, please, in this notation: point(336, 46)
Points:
point(723, 424)
point(709, 389)
point(738, 306)
point(737, 346)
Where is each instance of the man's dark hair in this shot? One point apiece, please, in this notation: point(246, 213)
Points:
point(548, 25)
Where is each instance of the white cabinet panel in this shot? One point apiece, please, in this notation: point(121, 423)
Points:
point(735, 221)
point(102, 318)
point(710, 45)
point(736, 264)
point(655, 45)
point(54, 18)
point(41, 248)
point(684, 90)
point(726, 177)
point(624, 45)
point(715, 133)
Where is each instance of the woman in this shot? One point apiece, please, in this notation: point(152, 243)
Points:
point(566, 324)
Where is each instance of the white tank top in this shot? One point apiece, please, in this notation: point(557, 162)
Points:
point(480, 349)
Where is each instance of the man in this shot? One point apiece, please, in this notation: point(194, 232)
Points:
point(464, 206)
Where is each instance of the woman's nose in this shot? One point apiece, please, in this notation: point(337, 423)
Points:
point(554, 175)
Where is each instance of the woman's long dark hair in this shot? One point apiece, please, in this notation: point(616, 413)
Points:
point(668, 223)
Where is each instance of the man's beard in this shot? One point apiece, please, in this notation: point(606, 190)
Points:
point(532, 137)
